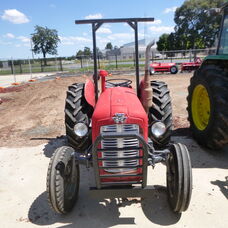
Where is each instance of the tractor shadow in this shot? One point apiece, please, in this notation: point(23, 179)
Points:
point(90, 212)
point(200, 156)
point(223, 186)
point(52, 144)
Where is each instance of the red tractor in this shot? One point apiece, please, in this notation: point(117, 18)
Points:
point(191, 66)
point(163, 67)
point(118, 132)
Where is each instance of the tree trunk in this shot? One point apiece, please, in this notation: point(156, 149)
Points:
point(45, 61)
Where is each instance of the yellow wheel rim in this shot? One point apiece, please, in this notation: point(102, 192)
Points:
point(200, 107)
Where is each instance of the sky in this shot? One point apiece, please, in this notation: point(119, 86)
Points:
point(18, 18)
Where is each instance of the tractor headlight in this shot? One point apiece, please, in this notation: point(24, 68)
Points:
point(158, 129)
point(80, 129)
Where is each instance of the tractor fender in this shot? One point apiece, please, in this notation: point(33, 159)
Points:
point(89, 92)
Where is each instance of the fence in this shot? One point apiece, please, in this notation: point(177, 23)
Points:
point(108, 61)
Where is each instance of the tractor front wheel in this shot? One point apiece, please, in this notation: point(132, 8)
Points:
point(179, 178)
point(208, 106)
point(63, 180)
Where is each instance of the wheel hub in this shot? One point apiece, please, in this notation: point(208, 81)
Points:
point(200, 107)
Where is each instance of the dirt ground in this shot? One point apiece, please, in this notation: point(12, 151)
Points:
point(32, 126)
point(34, 113)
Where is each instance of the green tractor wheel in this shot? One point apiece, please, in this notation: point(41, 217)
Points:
point(208, 106)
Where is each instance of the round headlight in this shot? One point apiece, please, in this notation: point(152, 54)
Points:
point(80, 129)
point(158, 129)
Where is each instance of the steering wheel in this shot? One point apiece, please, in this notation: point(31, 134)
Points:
point(124, 83)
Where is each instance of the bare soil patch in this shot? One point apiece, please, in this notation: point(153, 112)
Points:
point(33, 113)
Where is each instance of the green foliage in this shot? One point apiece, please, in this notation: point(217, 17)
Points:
point(162, 44)
point(194, 21)
point(45, 41)
point(196, 26)
point(109, 46)
point(87, 51)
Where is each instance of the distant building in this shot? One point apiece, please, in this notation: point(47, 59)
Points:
point(127, 51)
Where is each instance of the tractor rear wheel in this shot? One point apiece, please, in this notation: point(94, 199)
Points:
point(63, 180)
point(208, 107)
point(179, 178)
point(161, 109)
point(77, 110)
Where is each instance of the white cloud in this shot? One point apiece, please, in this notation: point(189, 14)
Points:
point(14, 16)
point(161, 29)
point(24, 39)
point(94, 16)
point(155, 22)
point(104, 31)
point(9, 35)
point(73, 40)
point(169, 10)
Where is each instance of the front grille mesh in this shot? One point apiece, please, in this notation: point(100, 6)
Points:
point(120, 143)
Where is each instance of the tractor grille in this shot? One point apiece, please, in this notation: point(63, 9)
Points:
point(119, 143)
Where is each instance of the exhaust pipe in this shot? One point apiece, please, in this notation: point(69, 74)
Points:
point(147, 90)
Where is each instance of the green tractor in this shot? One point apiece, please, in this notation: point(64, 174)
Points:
point(208, 95)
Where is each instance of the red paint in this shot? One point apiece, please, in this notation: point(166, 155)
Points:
point(190, 66)
point(162, 67)
point(119, 100)
point(89, 92)
point(103, 74)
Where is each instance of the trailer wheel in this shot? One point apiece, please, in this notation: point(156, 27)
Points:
point(161, 109)
point(77, 110)
point(152, 71)
point(173, 70)
point(63, 180)
point(179, 178)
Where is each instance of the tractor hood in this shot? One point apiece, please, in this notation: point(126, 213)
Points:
point(118, 100)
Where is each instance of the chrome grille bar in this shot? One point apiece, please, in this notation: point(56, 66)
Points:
point(120, 143)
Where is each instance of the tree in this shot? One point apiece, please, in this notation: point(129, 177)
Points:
point(87, 51)
point(45, 41)
point(162, 44)
point(79, 54)
point(195, 26)
point(109, 46)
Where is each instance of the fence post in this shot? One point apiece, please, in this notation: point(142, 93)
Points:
point(81, 62)
point(12, 69)
point(41, 66)
point(20, 66)
point(56, 64)
point(60, 64)
point(30, 68)
point(116, 61)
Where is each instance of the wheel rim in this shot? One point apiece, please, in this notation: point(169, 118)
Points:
point(173, 69)
point(200, 107)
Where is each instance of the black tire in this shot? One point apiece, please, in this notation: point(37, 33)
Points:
point(173, 70)
point(161, 109)
point(63, 180)
point(215, 80)
point(77, 110)
point(179, 178)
